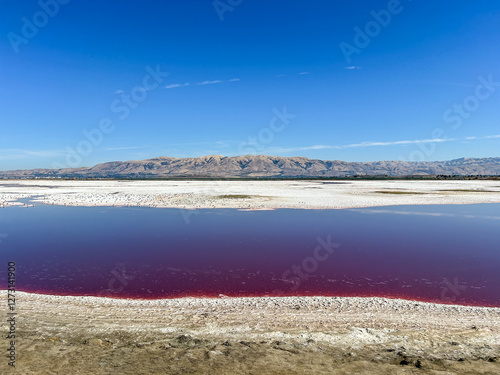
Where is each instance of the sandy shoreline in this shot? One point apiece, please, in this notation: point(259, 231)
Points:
point(250, 194)
point(266, 335)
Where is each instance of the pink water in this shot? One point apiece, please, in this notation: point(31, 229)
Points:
point(445, 254)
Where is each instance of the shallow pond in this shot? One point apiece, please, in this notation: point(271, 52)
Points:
point(446, 254)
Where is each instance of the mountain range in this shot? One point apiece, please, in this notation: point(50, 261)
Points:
point(263, 166)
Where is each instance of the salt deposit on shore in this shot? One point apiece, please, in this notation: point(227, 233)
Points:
point(319, 312)
point(265, 335)
point(8, 199)
point(251, 194)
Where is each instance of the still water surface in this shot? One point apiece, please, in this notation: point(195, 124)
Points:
point(446, 254)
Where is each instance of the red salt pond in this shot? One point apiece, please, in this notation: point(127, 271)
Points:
point(444, 254)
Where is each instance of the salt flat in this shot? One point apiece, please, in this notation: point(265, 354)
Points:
point(258, 335)
point(311, 194)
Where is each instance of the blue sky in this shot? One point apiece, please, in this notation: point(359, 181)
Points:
point(335, 80)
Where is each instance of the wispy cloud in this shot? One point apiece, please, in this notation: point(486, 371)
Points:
point(281, 150)
point(303, 73)
point(353, 67)
point(16, 153)
point(203, 83)
point(354, 145)
point(394, 143)
point(174, 85)
point(119, 92)
point(375, 144)
point(208, 82)
point(485, 137)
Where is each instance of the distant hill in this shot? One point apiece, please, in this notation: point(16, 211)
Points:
point(254, 166)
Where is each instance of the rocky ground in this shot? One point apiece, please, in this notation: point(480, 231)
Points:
point(268, 335)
